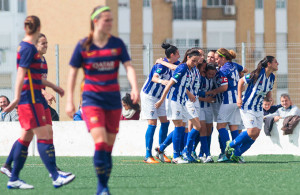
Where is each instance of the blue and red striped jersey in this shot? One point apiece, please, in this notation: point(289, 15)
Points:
point(29, 58)
point(101, 65)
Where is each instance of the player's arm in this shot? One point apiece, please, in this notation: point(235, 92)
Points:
point(191, 96)
point(166, 64)
point(56, 88)
point(165, 92)
point(70, 108)
point(49, 97)
point(240, 90)
point(135, 95)
point(156, 79)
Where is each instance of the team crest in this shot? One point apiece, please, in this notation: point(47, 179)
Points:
point(94, 119)
point(252, 122)
point(114, 52)
point(151, 113)
point(44, 118)
point(177, 113)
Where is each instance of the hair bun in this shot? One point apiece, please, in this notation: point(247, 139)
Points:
point(232, 53)
point(165, 45)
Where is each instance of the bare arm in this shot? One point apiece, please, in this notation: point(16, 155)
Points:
point(220, 89)
point(57, 89)
point(191, 96)
point(49, 97)
point(156, 79)
point(164, 95)
point(166, 64)
point(240, 90)
point(135, 96)
point(70, 108)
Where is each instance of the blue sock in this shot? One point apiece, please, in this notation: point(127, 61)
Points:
point(190, 140)
point(242, 138)
point(204, 146)
point(100, 164)
point(20, 155)
point(208, 143)
point(149, 139)
point(243, 147)
point(196, 142)
point(10, 157)
point(46, 150)
point(234, 134)
point(221, 146)
point(163, 132)
point(176, 141)
point(224, 137)
point(167, 142)
point(109, 162)
point(184, 140)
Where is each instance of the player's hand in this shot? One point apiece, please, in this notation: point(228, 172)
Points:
point(211, 93)
point(135, 96)
point(59, 90)
point(11, 106)
point(211, 99)
point(164, 82)
point(70, 109)
point(49, 98)
point(239, 102)
point(158, 104)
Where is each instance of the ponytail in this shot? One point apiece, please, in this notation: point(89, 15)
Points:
point(262, 64)
point(169, 49)
point(31, 24)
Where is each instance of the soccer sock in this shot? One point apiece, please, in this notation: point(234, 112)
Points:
point(234, 134)
point(163, 132)
point(47, 154)
point(109, 162)
point(190, 139)
point(224, 137)
point(204, 146)
point(10, 157)
point(183, 141)
point(208, 143)
point(243, 137)
point(100, 164)
point(176, 141)
point(20, 155)
point(149, 139)
point(167, 142)
point(196, 142)
point(243, 147)
point(52, 146)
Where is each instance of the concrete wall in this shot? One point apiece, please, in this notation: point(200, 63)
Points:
point(72, 139)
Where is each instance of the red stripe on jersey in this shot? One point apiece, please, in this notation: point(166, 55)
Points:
point(37, 56)
point(35, 86)
point(101, 88)
point(34, 76)
point(101, 77)
point(101, 53)
point(36, 65)
point(18, 56)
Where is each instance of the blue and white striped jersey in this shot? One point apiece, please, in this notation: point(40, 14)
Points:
point(256, 92)
point(206, 85)
point(156, 89)
point(195, 82)
point(229, 76)
point(216, 84)
point(182, 78)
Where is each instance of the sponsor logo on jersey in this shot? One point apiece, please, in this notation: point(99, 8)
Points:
point(114, 52)
point(177, 75)
point(159, 70)
point(104, 66)
point(90, 53)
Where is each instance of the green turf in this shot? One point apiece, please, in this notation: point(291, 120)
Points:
point(264, 174)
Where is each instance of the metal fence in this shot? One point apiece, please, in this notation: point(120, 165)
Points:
point(143, 58)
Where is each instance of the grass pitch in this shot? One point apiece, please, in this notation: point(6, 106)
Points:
point(263, 174)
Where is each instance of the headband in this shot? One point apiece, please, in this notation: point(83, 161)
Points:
point(98, 11)
point(221, 54)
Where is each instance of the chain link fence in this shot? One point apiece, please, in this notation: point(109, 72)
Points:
point(144, 56)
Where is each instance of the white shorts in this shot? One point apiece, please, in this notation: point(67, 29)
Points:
point(148, 110)
point(229, 113)
point(175, 111)
point(215, 109)
point(206, 114)
point(191, 108)
point(252, 119)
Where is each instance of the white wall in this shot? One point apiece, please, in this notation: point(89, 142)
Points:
point(72, 139)
point(220, 33)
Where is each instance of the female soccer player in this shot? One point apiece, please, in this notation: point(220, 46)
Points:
point(229, 112)
point(151, 92)
point(29, 98)
point(41, 46)
point(99, 55)
point(260, 84)
point(176, 91)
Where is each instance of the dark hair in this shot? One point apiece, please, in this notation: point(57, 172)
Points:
point(88, 42)
point(169, 49)
point(127, 100)
point(262, 64)
point(3, 96)
point(190, 53)
point(266, 99)
point(212, 50)
point(201, 64)
point(31, 24)
point(210, 66)
point(228, 54)
point(41, 35)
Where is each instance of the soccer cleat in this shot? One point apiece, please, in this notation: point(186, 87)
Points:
point(189, 158)
point(105, 191)
point(179, 160)
point(161, 156)
point(223, 158)
point(6, 170)
point(60, 172)
point(242, 159)
point(209, 159)
point(201, 159)
point(19, 184)
point(236, 159)
point(228, 149)
point(150, 160)
point(63, 180)
point(194, 155)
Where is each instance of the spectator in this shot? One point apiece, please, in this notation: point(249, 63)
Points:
point(6, 117)
point(130, 111)
point(286, 110)
point(268, 106)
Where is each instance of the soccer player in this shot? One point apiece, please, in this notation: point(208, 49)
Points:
point(176, 91)
point(229, 113)
point(260, 84)
point(150, 94)
point(99, 55)
point(32, 117)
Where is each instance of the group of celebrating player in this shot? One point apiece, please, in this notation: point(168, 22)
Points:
point(99, 55)
point(194, 94)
